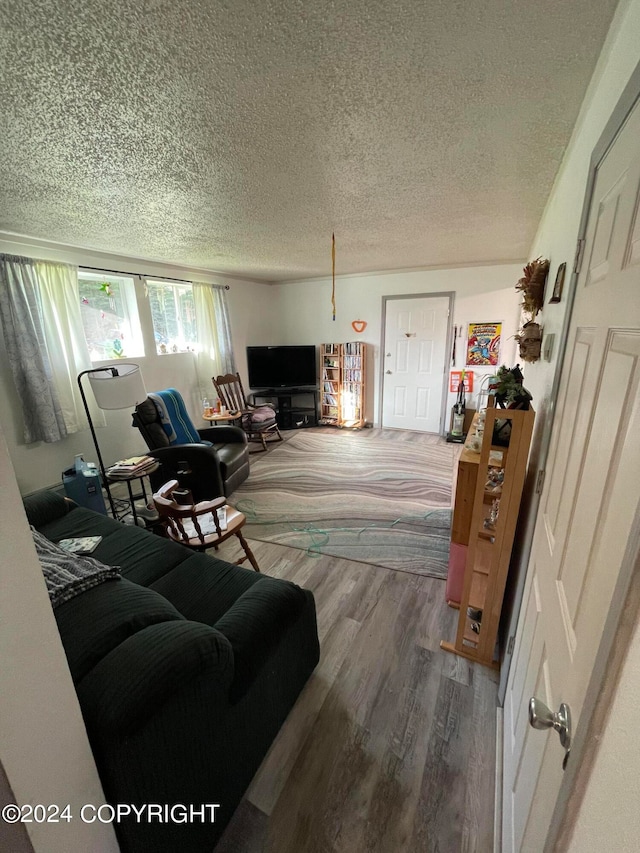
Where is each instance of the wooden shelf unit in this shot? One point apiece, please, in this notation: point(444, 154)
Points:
point(488, 545)
point(343, 384)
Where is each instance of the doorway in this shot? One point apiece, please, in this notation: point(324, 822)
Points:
point(416, 334)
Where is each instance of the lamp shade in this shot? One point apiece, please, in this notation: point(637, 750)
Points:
point(117, 387)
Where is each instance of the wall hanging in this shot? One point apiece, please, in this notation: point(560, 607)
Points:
point(532, 285)
point(359, 326)
point(483, 343)
point(530, 341)
point(557, 287)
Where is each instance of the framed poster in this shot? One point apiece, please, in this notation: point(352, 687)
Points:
point(483, 344)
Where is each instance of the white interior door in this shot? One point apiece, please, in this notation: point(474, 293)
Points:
point(588, 502)
point(414, 361)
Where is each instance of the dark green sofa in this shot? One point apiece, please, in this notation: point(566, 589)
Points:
point(185, 669)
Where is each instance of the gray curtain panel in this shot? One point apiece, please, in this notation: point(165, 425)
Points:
point(224, 330)
point(21, 320)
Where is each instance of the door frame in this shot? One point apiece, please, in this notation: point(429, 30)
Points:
point(624, 609)
point(383, 325)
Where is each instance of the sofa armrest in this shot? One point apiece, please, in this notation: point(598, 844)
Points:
point(45, 506)
point(223, 434)
point(187, 452)
point(255, 623)
point(195, 466)
point(135, 679)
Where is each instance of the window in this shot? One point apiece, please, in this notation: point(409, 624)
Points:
point(109, 316)
point(174, 316)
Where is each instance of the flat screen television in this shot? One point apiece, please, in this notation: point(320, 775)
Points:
point(282, 367)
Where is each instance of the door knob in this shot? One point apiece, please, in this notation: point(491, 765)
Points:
point(541, 717)
point(388, 371)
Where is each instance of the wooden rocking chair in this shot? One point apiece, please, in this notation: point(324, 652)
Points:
point(258, 422)
point(199, 525)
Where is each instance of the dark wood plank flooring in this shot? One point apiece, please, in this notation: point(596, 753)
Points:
point(391, 745)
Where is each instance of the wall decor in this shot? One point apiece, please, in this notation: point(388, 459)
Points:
point(529, 340)
point(359, 326)
point(557, 287)
point(483, 344)
point(532, 285)
point(454, 380)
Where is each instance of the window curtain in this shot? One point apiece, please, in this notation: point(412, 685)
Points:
point(65, 341)
point(215, 354)
point(45, 344)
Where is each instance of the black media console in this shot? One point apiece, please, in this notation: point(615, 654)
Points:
point(295, 407)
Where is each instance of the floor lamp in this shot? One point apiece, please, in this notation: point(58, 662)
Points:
point(117, 387)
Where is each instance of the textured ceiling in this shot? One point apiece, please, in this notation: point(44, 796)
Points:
point(238, 134)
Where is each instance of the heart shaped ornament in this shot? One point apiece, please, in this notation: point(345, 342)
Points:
point(359, 326)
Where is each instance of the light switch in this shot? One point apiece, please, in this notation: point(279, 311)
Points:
point(547, 346)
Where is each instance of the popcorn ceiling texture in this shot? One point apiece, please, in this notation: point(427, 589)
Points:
point(238, 135)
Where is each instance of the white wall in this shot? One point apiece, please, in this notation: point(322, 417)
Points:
point(39, 465)
point(482, 293)
point(558, 230)
point(43, 744)
point(609, 818)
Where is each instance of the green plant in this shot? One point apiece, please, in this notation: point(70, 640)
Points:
point(509, 390)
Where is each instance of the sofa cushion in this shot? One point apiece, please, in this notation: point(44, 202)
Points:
point(78, 522)
point(142, 556)
point(261, 415)
point(46, 506)
point(203, 588)
point(103, 617)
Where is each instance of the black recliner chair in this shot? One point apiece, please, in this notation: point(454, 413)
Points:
point(208, 471)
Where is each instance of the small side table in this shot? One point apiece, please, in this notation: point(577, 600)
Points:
point(131, 503)
point(221, 419)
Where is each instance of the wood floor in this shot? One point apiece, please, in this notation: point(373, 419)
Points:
point(391, 745)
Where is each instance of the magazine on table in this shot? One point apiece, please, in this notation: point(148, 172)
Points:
point(81, 544)
point(207, 524)
point(130, 467)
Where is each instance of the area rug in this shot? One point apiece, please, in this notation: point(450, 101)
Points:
point(384, 501)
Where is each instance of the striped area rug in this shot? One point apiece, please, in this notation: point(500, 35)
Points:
point(383, 499)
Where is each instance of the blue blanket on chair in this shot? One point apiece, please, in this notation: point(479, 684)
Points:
point(175, 420)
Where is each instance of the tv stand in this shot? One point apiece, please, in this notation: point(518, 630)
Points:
point(296, 408)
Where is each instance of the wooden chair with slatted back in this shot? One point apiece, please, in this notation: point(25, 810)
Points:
point(197, 525)
point(259, 422)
